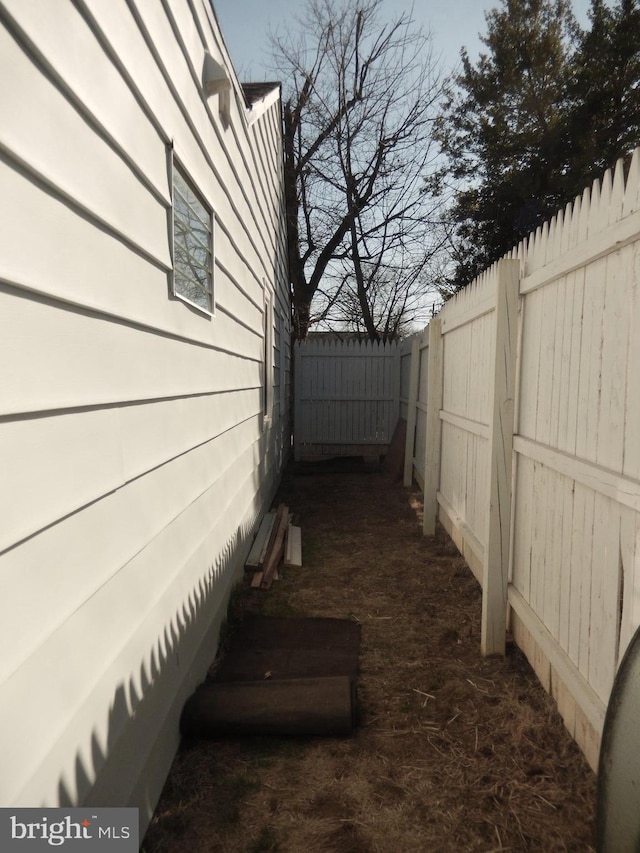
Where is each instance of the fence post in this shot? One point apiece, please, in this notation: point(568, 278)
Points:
point(412, 410)
point(434, 427)
point(397, 377)
point(496, 552)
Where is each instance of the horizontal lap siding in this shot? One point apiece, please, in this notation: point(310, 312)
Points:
point(54, 140)
point(116, 444)
point(105, 585)
point(134, 454)
point(72, 359)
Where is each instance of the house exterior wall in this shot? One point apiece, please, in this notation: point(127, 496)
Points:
point(136, 452)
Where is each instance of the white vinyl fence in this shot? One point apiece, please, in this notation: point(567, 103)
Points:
point(347, 397)
point(532, 445)
point(413, 403)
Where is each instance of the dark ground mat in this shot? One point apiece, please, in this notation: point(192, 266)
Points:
point(290, 647)
point(283, 676)
point(294, 706)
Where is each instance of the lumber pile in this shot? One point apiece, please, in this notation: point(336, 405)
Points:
point(278, 542)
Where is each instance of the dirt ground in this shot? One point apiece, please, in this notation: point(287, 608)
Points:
point(453, 752)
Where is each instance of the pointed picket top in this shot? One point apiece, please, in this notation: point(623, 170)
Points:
point(632, 189)
point(520, 252)
point(617, 193)
point(549, 243)
point(544, 243)
point(565, 237)
point(606, 189)
point(534, 250)
point(606, 202)
point(527, 251)
point(559, 235)
point(593, 224)
point(531, 241)
point(550, 254)
point(573, 228)
point(470, 296)
point(583, 219)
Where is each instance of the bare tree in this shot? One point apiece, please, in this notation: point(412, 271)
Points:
point(359, 107)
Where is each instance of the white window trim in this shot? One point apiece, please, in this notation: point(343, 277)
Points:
point(268, 371)
point(176, 166)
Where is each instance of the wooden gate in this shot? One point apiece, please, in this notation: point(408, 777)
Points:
point(346, 397)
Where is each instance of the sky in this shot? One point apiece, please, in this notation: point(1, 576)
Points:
point(453, 23)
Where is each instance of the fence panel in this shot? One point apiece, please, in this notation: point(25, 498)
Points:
point(468, 322)
point(574, 481)
point(347, 397)
point(415, 361)
point(576, 561)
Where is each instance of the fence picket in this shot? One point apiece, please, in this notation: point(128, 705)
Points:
point(594, 218)
point(556, 243)
point(434, 426)
point(583, 221)
point(606, 192)
point(412, 412)
point(632, 188)
point(564, 565)
point(574, 228)
point(617, 193)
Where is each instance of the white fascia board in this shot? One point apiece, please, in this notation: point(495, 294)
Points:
point(259, 108)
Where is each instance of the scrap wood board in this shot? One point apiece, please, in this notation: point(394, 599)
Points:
point(275, 552)
point(293, 548)
point(277, 541)
point(261, 542)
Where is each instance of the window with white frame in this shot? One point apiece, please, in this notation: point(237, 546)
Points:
point(267, 388)
point(192, 243)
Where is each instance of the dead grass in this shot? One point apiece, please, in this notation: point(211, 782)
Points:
point(454, 752)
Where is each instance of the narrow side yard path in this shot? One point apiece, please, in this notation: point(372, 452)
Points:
point(453, 752)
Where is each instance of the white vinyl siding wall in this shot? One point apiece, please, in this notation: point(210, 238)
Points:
point(135, 463)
